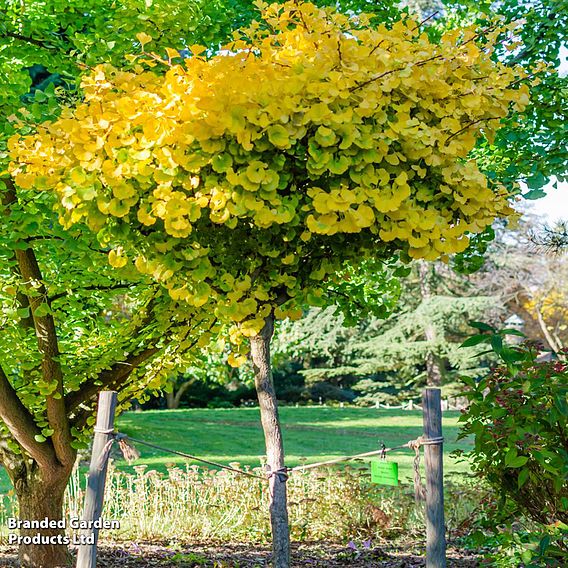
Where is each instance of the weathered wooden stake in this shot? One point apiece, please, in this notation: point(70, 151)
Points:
point(87, 555)
point(433, 463)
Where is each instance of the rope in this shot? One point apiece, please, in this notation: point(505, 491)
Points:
point(411, 444)
point(344, 458)
point(282, 473)
point(103, 430)
point(189, 456)
point(419, 489)
point(130, 453)
point(430, 441)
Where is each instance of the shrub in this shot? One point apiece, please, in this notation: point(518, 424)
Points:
point(518, 416)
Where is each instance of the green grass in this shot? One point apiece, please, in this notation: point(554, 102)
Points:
point(310, 434)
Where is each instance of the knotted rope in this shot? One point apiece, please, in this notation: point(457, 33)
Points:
point(280, 473)
point(130, 454)
point(419, 489)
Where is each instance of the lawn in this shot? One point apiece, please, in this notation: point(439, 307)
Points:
point(310, 434)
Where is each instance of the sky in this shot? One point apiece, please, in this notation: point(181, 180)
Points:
point(554, 206)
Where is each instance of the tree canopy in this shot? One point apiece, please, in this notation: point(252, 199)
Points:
point(233, 183)
point(243, 179)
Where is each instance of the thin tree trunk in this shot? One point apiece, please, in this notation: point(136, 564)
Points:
point(173, 399)
point(170, 400)
point(556, 347)
point(260, 354)
point(434, 364)
point(40, 498)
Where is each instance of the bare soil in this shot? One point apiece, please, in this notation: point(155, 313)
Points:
point(309, 555)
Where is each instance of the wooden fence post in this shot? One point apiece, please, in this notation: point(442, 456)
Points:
point(87, 555)
point(433, 463)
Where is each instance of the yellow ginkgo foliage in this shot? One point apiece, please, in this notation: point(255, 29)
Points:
point(244, 179)
point(548, 307)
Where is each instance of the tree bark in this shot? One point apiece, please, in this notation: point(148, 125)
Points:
point(556, 347)
point(173, 398)
point(260, 355)
point(434, 363)
point(40, 495)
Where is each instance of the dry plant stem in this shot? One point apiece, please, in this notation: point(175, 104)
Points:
point(260, 354)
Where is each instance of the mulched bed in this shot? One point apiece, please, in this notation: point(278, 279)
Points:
point(310, 555)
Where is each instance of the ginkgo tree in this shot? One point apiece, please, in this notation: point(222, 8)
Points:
point(246, 182)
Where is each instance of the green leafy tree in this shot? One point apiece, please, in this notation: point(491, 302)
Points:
point(421, 343)
point(69, 326)
point(388, 360)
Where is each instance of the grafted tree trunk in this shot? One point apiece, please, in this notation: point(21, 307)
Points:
point(434, 363)
point(40, 495)
point(260, 354)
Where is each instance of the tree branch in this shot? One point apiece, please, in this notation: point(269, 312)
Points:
point(31, 40)
point(21, 425)
point(60, 295)
point(47, 342)
point(473, 123)
point(184, 386)
point(347, 296)
point(119, 372)
point(548, 336)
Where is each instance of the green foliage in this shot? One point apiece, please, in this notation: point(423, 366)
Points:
point(368, 288)
point(536, 548)
point(473, 257)
point(111, 328)
point(401, 346)
point(533, 149)
point(49, 43)
point(518, 416)
point(384, 360)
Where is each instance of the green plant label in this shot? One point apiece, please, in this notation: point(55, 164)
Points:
point(384, 472)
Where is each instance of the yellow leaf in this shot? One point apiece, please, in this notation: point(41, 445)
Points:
point(197, 49)
point(117, 258)
point(325, 136)
point(364, 216)
point(236, 361)
point(143, 38)
point(172, 53)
